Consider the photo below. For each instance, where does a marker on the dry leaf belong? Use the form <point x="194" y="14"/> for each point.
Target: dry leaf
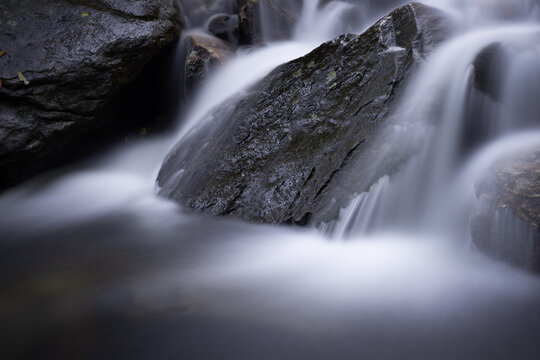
<point x="0" y="84"/>
<point x="2" y="53"/>
<point x="22" y="78"/>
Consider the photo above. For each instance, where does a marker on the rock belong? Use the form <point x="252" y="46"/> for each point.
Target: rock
<point x="506" y="76"/>
<point x="489" y="67"/>
<point x="506" y="222"/>
<point x="75" y="56"/>
<point x="224" y="27"/>
<point x="272" y="156"/>
<point x="199" y="11"/>
<point x="203" y="53"/>
<point x="266" y="20"/>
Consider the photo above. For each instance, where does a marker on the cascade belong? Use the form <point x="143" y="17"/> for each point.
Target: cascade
<point x="436" y="124"/>
<point x="96" y="265"/>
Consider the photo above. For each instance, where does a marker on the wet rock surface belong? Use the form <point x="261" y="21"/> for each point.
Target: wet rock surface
<point x="203" y="54"/>
<point x="488" y="66"/>
<point x="64" y="63"/>
<point x="273" y="156"/>
<point x="506" y="223"/>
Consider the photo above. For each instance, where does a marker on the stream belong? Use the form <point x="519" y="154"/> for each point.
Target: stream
<point x="95" y="265"/>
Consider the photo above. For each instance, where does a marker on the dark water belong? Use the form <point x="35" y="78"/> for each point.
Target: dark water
<point x="116" y="288"/>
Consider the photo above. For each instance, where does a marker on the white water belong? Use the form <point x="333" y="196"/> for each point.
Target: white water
<point x="127" y="174"/>
<point x="404" y="276"/>
<point x="428" y="193"/>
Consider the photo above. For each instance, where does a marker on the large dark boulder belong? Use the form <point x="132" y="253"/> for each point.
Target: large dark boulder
<point x="506" y="222"/>
<point x="273" y="155"/>
<point x="64" y="62"/>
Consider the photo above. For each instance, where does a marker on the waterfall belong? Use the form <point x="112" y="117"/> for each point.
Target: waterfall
<point x="96" y="265"/>
<point x="315" y="25"/>
<point x="126" y="174"/>
<point x="442" y="122"/>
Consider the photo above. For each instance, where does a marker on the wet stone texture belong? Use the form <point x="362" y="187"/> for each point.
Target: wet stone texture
<point x="506" y="223"/>
<point x="273" y="156"/>
<point x="64" y="63"/>
<point x="204" y="53"/>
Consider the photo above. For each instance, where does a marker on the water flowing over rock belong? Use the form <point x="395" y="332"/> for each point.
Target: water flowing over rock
<point x="225" y="27"/>
<point x="263" y="20"/>
<point x="372" y="7"/>
<point x="488" y="65"/>
<point x="74" y="56"/>
<point x="271" y="156"/>
<point x="197" y="12"/>
<point x="506" y="223"/>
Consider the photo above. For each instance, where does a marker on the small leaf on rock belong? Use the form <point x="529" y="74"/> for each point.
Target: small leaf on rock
<point x="0" y="84"/>
<point x="2" y="53"/>
<point x="22" y="78"/>
<point x="85" y="14"/>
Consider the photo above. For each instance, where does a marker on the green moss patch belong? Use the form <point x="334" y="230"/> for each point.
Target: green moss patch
<point x="331" y="76"/>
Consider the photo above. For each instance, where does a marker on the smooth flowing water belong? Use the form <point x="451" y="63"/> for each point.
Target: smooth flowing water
<point x="443" y="122"/>
<point x="95" y="265"/>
